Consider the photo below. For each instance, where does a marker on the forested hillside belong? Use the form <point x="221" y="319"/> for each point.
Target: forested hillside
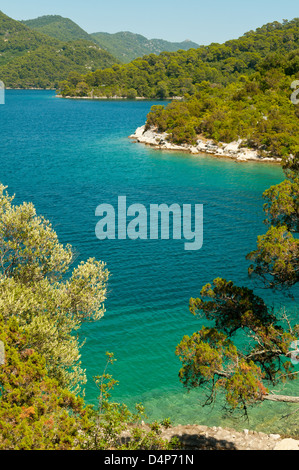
<point x="256" y="109"/>
<point x="58" y="27"/>
<point x="32" y="59"/>
<point x="127" y="46"/>
<point x="17" y="39"/>
<point x="124" y="45"/>
<point x="178" y="73"/>
<point x="46" y="66"/>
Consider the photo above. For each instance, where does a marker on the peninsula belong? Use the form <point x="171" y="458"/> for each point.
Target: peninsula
<point x="235" y="150"/>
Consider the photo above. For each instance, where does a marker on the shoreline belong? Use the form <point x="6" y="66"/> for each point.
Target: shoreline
<point x="31" y="88"/>
<point x="138" y="98"/>
<point x="115" y="97"/>
<point x="232" y="150"/>
<point x="199" y="437"/>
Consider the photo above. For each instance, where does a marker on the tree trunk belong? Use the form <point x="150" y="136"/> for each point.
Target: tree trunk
<point x="281" y="398"/>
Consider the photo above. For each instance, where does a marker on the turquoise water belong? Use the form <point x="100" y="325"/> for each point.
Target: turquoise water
<point x="69" y="156"/>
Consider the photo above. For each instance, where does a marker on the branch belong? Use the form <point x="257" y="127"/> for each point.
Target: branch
<point x="290" y="414"/>
<point x="270" y="397"/>
<point x="281" y="398"/>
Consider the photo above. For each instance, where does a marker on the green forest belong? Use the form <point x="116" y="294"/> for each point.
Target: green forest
<point x="127" y="46"/>
<point x="173" y="74"/>
<point x="30" y="59"/>
<point x="238" y="90"/>
<point x="57" y="27"/>
<point x="256" y="109"/>
<point x="42" y="52"/>
<point x="124" y="45"/>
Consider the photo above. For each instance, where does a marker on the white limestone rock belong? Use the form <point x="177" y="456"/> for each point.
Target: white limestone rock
<point x="287" y="444"/>
<point x="231" y="150"/>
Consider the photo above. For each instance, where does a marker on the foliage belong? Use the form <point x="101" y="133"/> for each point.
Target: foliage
<point x="38" y="289"/>
<point x="210" y="357"/>
<point x="126" y="46"/>
<point x="255" y="109"/>
<point x="173" y="74"/>
<point x="282" y="206"/>
<point x="58" y="27"/>
<point x="259" y="356"/>
<point x="16" y="39"/>
<point x="231" y="307"/>
<point x="35" y="412"/>
<point x="30" y="59"/>
<point x="116" y="427"/>
<point x="276" y="259"/>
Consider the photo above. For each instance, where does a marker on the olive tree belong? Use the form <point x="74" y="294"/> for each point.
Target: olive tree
<point x="38" y="288"/>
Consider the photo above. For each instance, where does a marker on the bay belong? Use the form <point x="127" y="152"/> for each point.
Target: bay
<point x="69" y="156"/>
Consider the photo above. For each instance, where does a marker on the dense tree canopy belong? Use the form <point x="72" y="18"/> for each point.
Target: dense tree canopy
<point x="126" y="46"/>
<point x="57" y="27"/>
<point x="173" y="74"/>
<point x="256" y="109"/>
<point x="35" y="412"/>
<point x="30" y="59"/>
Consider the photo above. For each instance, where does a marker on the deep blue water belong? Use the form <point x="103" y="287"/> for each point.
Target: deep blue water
<point x="69" y="156"/>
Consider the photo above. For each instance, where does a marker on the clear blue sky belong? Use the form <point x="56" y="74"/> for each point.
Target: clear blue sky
<point x="202" y="21"/>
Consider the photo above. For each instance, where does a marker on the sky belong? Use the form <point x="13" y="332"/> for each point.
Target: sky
<point x="202" y="21"/>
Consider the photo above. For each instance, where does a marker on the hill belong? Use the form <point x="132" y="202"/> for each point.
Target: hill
<point x="41" y="52"/>
<point x="254" y="112"/>
<point x="57" y="27"/>
<point x="29" y="58"/>
<point x="173" y="74"/>
<point x="127" y="46"/>
<point x="46" y="66"/>
<point x="17" y="39"/>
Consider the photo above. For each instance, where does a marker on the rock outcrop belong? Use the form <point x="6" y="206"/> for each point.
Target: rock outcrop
<point x="231" y="150"/>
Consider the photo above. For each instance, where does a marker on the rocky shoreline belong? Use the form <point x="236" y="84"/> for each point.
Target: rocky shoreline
<point x="199" y="437"/>
<point x="233" y="150"/>
<point x="195" y="437"/>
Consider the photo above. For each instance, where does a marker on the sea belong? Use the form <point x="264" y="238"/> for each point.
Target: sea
<point x="68" y="157"/>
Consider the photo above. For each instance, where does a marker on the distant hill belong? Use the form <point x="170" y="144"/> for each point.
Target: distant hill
<point x="126" y="46"/>
<point x="30" y="59"/>
<point x="41" y="52"/>
<point x="58" y="27"/>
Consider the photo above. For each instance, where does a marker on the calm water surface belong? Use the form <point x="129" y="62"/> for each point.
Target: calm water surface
<point x="69" y="156"/>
